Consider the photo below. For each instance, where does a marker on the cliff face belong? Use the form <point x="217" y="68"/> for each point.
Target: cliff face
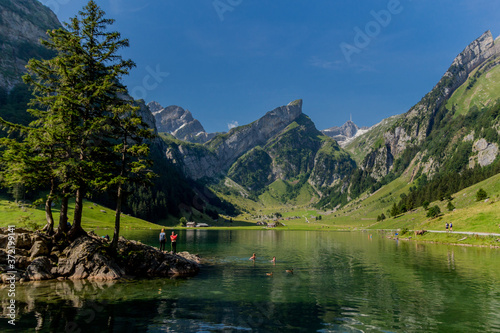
<point x="22" y="24"/>
<point x="228" y="147"/>
<point x="217" y="155"/>
<point x="417" y="124"/>
<point x="282" y="145"/>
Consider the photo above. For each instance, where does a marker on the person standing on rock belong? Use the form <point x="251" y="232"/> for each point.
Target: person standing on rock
<point x="163" y="239"/>
<point x="173" y="239"/>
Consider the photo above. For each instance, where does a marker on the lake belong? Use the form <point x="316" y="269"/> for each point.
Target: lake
<point x="341" y="282"/>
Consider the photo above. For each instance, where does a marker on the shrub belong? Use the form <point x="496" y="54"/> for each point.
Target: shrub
<point x="183" y="221"/>
<point x="481" y="194"/>
<point x="450" y="206"/>
<point x="433" y="212"/>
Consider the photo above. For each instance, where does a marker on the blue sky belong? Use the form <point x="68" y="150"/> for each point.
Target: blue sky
<point x="231" y="61"/>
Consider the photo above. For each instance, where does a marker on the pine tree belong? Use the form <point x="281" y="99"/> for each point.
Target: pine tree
<point x="394" y="210"/>
<point x="128" y="131"/>
<point x="87" y="130"/>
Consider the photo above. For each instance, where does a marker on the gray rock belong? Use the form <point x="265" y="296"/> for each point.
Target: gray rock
<point x="4" y="241"/>
<point x="469" y="137"/>
<point x="39" y="269"/>
<point x="22" y="261"/>
<point x="379" y="162"/>
<point x="480" y="145"/>
<point x="86" y="258"/>
<point x="141" y="260"/>
<point x="39" y="248"/>
<point x="154" y="107"/>
<point x="488" y="155"/>
<point x="24" y="241"/>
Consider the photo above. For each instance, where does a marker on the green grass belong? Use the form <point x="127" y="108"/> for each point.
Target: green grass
<point x="93" y="217"/>
<point x="469" y="214"/>
<point x="483" y="92"/>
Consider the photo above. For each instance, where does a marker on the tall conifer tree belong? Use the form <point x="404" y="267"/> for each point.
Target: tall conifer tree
<point x="86" y="129"/>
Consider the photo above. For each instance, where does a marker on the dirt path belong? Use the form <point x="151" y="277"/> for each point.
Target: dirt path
<point x="465" y="232"/>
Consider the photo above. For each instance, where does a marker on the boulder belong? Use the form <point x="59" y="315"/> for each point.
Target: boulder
<point x="142" y="260"/>
<point x="87" y="258"/>
<point x="39" y="269"/>
<point x="23" y="241"/>
<point x="39" y="248"/>
<point x="192" y="257"/>
<point x="22" y="262"/>
<point x="4" y="241"/>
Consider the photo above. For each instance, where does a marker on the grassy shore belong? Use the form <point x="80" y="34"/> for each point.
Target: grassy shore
<point x="94" y="217"/>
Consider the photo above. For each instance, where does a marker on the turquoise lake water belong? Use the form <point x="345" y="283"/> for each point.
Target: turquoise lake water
<point x="341" y="282"/>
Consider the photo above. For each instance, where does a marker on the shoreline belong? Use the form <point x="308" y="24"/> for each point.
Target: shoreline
<point x="34" y="256"/>
<point x="479" y="238"/>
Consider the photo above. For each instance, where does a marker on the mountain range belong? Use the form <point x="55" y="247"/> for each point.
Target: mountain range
<point x="282" y="158"/>
<point x="434" y="137"/>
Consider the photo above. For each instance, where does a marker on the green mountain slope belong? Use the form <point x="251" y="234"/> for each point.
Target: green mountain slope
<point x="480" y="90"/>
<point x="294" y="167"/>
<point x="454" y="130"/>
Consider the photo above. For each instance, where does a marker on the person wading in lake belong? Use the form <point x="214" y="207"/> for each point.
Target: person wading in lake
<point x="173" y="239"/>
<point x="163" y="239"/>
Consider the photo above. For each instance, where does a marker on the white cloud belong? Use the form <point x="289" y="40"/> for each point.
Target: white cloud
<point x="232" y="124"/>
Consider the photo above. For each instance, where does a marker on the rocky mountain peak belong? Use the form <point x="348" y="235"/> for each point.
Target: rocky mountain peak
<point x="180" y="123"/>
<point x="472" y="56"/>
<point x="349" y="129"/>
<point x="345" y="133"/>
<point x="280" y="116"/>
<point x="173" y="117"/>
<point x="154" y="107"/>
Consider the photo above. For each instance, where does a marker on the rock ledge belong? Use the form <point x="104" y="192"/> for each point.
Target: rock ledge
<point x="39" y="257"/>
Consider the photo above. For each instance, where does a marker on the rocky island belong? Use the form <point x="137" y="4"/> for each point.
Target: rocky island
<point x="40" y="257"/>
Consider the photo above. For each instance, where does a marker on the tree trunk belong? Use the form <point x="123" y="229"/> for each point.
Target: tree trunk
<point x="118" y="212"/>
<point x="49" y="228"/>
<point x="76" y="229"/>
<point x="119" y="199"/>
<point x="63" y="216"/>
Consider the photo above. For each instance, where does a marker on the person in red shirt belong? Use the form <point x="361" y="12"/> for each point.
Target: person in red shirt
<point x="173" y="239"/>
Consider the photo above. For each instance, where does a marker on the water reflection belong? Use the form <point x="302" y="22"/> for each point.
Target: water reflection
<point x="341" y="282"/>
